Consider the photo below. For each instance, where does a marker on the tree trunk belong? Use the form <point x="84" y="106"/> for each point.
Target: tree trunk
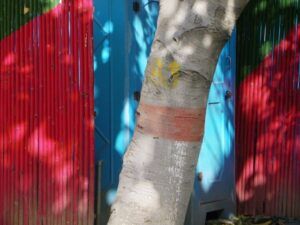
<point x="158" y="171"/>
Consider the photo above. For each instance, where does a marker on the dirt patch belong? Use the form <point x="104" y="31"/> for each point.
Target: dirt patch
<point x="258" y="220"/>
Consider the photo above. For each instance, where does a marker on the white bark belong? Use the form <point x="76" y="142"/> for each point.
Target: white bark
<point x="158" y="170"/>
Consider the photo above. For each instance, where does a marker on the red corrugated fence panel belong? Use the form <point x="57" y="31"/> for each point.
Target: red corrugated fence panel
<point x="268" y="109"/>
<point x="46" y="113"/>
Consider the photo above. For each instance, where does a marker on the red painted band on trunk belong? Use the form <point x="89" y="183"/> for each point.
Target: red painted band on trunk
<point x="180" y="124"/>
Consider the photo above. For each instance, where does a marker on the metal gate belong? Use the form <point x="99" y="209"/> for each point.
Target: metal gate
<point x="46" y="113"/>
<point x="123" y="37"/>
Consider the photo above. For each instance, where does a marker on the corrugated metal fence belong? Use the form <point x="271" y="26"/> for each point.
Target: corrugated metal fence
<point x="46" y="112"/>
<point x="268" y="109"/>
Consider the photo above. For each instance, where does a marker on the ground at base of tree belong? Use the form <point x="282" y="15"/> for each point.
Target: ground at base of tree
<point x="258" y="220"/>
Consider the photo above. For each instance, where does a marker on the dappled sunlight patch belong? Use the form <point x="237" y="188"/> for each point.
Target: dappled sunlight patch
<point x="111" y="196"/>
<point x="61" y="203"/>
<point x="246" y="191"/>
<point x="108" y="27"/>
<point x="27" y="69"/>
<point x="57" y="11"/>
<point x="105" y="52"/>
<point x="200" y="8"/>
<point x="127" y="127"/>
<point x="9" y="59"/>
<point x="145" y="195"/>
<point x="187" y="51"/>
<point x="18" y="132"/>
<point x="83" y="204"/>
<point x="40" y="145"/>
<point x="207" y="41"/>
<point x="50" y="48"/>
<point x="169" y="10"/>
<point x="68" y="59"/>
<point x="13" y="136"/>
<point x="63" y="173"/>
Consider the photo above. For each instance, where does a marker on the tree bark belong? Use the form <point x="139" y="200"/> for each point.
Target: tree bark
<point x="158" y="170"/>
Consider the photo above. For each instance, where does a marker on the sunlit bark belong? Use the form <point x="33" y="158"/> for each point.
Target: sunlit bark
<point x="158" y="171"/>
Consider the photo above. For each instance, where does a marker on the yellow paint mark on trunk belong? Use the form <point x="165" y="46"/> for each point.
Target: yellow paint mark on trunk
<point x="165" y="75"/>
